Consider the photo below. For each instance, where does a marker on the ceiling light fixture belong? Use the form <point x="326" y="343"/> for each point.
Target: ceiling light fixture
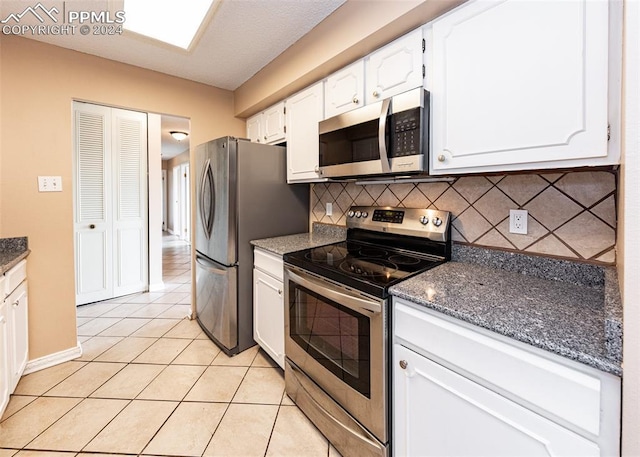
<point x="176" y="23"/>
<point x="178" y="136"/>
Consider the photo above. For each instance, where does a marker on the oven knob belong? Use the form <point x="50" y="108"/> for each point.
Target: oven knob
<point x="350" y="213"/>
<point x="424" y="220"/>
<point x="404" y="364"/>
<point x="437" y="221"/>
<point x="358" y="214"/>
<point x="365" y="214"/>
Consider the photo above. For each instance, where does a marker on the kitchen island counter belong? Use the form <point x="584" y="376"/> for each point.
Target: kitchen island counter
<point x="564" y="307"/>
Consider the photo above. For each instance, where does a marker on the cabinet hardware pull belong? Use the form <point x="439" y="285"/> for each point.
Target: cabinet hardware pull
<point x="15" y="304"/>
<point x="375" y="93"/>
<point x="403" y="364"/>
<point x="441" y="158"/>
<point x="92" y="226"/>
<point x="279" y="291"/>
<point x="355" y="100"/>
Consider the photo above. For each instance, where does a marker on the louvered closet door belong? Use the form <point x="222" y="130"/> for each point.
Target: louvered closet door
<point x="110" y="200"/>
<point x="129" y="161"/>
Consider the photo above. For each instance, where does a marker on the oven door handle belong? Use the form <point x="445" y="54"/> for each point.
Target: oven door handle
<point x="347" y="299"/>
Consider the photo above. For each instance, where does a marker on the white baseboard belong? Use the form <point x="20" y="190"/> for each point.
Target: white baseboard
<point x="156" y="287"/>
<point x="53" y="359"/>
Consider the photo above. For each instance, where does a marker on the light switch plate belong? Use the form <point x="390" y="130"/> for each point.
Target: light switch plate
<point x="50" y="183"/>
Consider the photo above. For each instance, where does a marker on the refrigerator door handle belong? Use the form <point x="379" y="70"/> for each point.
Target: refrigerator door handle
<point x="209" y="267"/>
<point x="207" y="217"/>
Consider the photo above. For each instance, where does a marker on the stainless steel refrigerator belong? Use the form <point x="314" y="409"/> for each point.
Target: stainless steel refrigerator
<point x="242" y="194"/>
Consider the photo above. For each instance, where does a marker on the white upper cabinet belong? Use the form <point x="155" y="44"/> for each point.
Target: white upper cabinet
<point x="519" y="85"/>
<point x="304" y="111"/>
<point x="268" y="127"/>
<point x="395" y="68"/>
<point x="344" y="90"/>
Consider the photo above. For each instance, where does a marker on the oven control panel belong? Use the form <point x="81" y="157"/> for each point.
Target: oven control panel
<point x="421" y="222"/>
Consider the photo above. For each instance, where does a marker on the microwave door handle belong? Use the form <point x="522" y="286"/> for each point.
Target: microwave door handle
<point x="382" y="138"/>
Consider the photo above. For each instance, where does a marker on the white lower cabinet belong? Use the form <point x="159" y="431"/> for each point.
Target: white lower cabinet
<point x="5" y="391"/>
<point x="14" y="331"/>
<point x="268" y="304"/>
<point x="438" y="412"/>
<point x="18" y="331"/>
<point x="459" y="390"/>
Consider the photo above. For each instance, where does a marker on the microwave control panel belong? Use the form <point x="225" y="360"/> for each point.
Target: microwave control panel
<point x="406" y="137"/>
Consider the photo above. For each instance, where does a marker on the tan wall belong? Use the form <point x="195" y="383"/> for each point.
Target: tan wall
<point x="39" y="82"/>
<point x="351" y="32"/>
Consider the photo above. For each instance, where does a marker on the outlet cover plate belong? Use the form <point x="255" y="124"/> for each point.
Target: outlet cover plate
<point x="518" y="221"/>
<point x="49" y="183"/>
<point x="329" y="211"/>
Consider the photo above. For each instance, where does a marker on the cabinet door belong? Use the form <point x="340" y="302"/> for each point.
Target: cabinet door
<point x="253" y="128"/>
<point x="273" y="123"/>
<point x="438" y="412"/>
<point x="18" y="333"/>
<point x="5" y="390"/>
<point x="395" y="68"/>
<point x="344" y="90"/>
<point x="268" y="315"/>
<point x="519" y="85"/>
<point x="304" y="111"/>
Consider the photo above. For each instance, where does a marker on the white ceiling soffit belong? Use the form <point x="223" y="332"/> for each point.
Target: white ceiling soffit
<point x="241" y="37"/>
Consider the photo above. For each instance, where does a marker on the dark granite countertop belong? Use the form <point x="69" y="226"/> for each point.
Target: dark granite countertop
<point x="321" y="235"/>
<point x="568" y="308"/>
<point x="12" y="251"/>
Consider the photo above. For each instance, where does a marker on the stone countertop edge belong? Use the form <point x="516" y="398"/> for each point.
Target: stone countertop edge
<point x="321" y="235"/>
<point x="12" y="251"/>
<point x="594" y="337"/>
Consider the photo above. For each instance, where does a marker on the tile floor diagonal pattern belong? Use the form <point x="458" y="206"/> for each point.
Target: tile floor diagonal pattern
<point x="150" y="382"/>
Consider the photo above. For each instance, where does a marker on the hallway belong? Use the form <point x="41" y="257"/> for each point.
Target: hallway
<point x="149" y="382"/>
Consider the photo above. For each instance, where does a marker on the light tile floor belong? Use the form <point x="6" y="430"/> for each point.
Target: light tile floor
<point x="150" y="382"/>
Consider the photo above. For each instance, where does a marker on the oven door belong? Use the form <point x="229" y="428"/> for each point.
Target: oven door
<point x="337" y="337"/>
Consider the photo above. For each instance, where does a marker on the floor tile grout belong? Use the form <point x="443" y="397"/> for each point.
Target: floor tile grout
<point x="240" y="393"/>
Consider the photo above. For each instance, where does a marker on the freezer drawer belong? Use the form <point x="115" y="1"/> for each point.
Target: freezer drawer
<point x="217" y="301"/>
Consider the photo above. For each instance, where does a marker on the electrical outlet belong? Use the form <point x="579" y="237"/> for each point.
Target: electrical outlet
<point x="329" y="211"/>
<point x="518" y="221"/>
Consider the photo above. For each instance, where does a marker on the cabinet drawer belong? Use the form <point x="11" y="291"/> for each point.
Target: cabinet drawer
<point x="269" y="263"/>
<point x="15" y="276"/>
<point x="537" y="382"/>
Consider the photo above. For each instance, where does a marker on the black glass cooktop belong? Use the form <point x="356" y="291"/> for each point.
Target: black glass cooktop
<point x="366" y="267"/>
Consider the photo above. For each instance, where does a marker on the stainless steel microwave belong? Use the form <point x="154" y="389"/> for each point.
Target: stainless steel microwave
<point x="389" y="137"/>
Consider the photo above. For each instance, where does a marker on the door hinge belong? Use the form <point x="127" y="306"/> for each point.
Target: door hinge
<point x="424" y="70"/>
<point x="608" y="132"/>
<point x="284" y="110"/>
<point x="285" y="129"/>
<point x="185" y="175"/>
<point x="424" y="45"/>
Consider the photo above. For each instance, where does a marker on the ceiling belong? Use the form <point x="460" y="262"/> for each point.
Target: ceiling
<point x="238" y="39"/>
<point x="241" y="37"/>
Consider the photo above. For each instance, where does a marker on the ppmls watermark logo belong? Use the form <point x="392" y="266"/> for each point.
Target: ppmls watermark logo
<point x="40" y="20"/>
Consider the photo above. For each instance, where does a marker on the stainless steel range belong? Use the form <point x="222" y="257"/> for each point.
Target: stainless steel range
<point x="337" y="320"/>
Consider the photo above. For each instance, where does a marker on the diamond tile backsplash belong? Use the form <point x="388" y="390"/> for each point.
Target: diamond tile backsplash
<point x="571" y="215"/>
